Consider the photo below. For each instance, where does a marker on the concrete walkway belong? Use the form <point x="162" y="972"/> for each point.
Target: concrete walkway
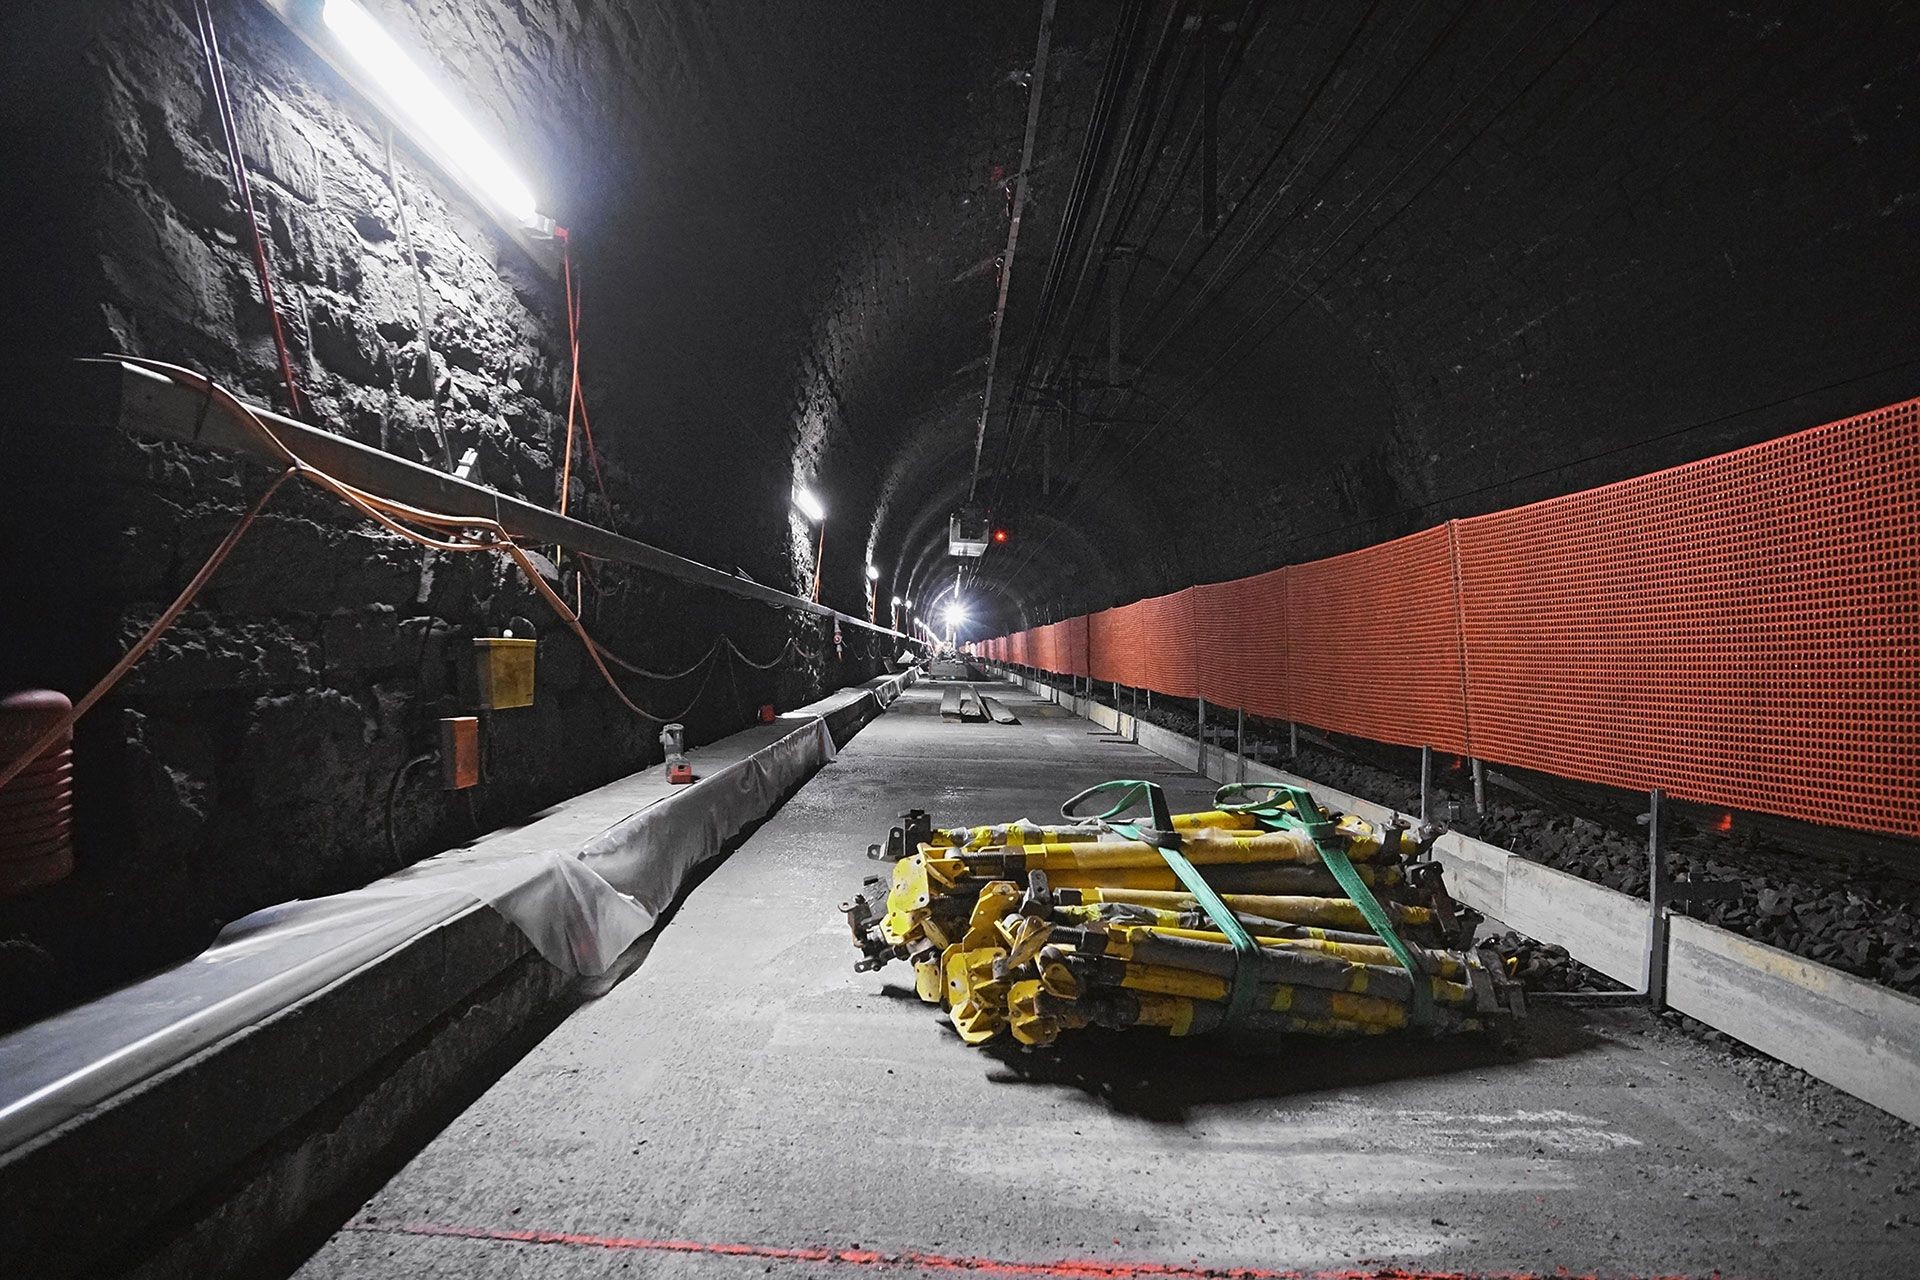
<point x="745" y="1105"/>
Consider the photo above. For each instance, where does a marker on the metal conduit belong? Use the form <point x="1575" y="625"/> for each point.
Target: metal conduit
<point x="147" y="404"/>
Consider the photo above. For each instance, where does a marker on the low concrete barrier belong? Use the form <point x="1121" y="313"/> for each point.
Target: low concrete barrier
<point x="199" y="1159"/>
<point x="1854" y="1034"/>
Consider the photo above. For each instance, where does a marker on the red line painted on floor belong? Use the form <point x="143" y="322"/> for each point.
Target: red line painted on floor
<point x="1065" y="1269"/>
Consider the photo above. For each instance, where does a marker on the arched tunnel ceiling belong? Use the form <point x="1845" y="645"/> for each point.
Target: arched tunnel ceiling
<point x="1462" y="255"/>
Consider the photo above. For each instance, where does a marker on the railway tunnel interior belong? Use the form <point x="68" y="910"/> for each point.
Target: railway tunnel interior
<point x="1495" y="412"/>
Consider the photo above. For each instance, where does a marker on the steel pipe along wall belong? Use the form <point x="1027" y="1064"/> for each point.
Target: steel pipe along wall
<point x="1741" y="631"/>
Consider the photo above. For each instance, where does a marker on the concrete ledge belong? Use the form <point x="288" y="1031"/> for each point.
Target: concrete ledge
<point x="258" y="1213"/>
<point x="1853" y="1034"/>
<point x="1600" y="927"/>
<point x="203" y="1164"/>
<point x="85" y="1195"/>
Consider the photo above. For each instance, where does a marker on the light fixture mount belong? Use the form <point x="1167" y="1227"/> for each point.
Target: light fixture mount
<point x="349" y="39"/>
<point x="808" y="504"/>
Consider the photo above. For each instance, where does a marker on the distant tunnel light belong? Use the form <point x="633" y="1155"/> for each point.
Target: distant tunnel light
<point x="955" y="614"/>
<point x="428" y="110"/>
<point x="873" y="574"/>
<point x="896" y="602"/>
<point x="808" y="505"/>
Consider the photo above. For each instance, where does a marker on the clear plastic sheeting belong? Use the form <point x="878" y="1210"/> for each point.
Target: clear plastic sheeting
<point x="650" y="855"/>
<point x="583" y="883"/>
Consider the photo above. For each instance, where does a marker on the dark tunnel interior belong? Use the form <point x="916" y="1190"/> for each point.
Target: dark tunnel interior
<point x="1169" y="292"/>
<point x="1452" y="258"/>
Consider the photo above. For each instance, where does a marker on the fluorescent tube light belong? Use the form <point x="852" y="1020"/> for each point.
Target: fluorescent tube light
<point x="428" y="111"/>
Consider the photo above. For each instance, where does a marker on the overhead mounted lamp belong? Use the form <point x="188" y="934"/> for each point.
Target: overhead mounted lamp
<point x="807" y="504"/>
<point x="351" y="41"/>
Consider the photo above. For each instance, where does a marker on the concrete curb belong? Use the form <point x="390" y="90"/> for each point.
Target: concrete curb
<point x="203" y="1168"/>
<point x="1853" y="1034"/>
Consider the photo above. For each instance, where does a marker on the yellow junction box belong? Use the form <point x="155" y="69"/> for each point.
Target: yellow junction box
<point x="504" y="668"/>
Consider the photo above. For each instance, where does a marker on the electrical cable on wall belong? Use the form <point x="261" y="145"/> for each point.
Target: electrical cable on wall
<point x="576" y="394"/>
<point x="449" y="533"/>
<point x="573" y="352"/>
<point x="159" y="626"/>
<point x="576" y="402"/>
<point x="237" y="167"/>
<point x="435" y="531"/>
<point x="1196" y="388"/>
<point x="1135" y="388"/>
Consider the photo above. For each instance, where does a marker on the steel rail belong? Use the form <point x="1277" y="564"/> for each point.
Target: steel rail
<point x="148" y="404"/>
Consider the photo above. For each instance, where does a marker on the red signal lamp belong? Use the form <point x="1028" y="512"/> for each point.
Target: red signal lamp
<point x="1000" y="535"/>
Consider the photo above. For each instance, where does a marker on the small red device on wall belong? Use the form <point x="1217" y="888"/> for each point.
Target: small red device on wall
<point x="679" y="773"/>
<point x="459" y="753"/>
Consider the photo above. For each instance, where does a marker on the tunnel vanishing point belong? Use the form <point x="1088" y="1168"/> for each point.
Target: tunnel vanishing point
<point x="1051" y="638"/>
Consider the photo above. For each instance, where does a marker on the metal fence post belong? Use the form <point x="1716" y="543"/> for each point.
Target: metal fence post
<point x="1479" y="789"/>
<point x="1240" y="742"/>
<point x="1202" y="769"/>
<point x="1426" y="780"/>
<point x="1293" y="740"/>
<point x="1135" y="735"/>
<point x="1658" y="889"/>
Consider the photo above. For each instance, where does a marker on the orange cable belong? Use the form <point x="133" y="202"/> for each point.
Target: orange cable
<point x="166" y="619"/>
<point x="388" y="513"/>
<point x="573" y="335"/>
<point x="593" y="456"/>
<point x="237" y="169"/>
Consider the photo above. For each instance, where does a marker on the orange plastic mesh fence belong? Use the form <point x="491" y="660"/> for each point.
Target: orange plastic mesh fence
<point x="1109" y="638"/>
<point x="1061" y="647"/>
<point x="1148" y="644"/>
<point x="1046" y="653"/>
<point x="1373" y="644"/>
<point x="1174" y="664"/>
<point x="1743" y="631"/>
<point x="1235" y="673"/>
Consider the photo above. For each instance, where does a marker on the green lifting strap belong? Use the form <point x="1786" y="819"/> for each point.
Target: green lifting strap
<point x="1307" y="817"/>
<point x="1243" y="989"/>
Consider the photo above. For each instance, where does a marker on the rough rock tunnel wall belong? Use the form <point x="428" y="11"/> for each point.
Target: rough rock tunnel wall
<point x="257" y="754"/>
